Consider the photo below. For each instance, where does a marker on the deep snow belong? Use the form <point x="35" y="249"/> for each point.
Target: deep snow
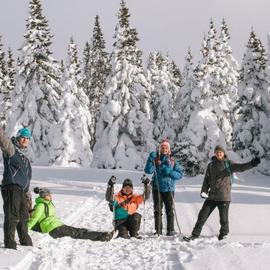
<point x="79" y="198"/>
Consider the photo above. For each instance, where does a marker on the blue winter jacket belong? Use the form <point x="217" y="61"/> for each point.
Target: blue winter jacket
<point x="166" y="173"/>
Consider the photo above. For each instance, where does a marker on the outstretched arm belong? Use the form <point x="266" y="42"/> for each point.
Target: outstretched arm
<point x="5" y="143"/>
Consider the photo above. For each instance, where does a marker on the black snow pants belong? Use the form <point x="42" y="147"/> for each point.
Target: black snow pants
<point x="167" y="198"/>
<point x="79" y="233"/>
<point x="15" y="216"/>
<point x="207" y="209"/>
<point x="129" y="227"/>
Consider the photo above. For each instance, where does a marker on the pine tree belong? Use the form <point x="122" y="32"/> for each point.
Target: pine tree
<point x="96" y="71"/>
<point x="209" y="122"/>
<point x="163" y="96"/>
<point x="36" y="96"/>
<point x="252" y="129"/>
<point x="73" y="144"/>
<point x="3" y="85"/>
<point x="184" y="150"/>
<point x="123" y="129"/>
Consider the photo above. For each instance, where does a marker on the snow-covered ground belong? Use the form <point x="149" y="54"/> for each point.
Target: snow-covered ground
<point x="79" y="198"/>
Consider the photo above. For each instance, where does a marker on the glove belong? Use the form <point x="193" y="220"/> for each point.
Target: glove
<point x="255" y="161"/>
<point x="152" y="156"/>
<point x="204" y="195"/>
<point x="145" y="180"/>
<point x="112" y="181"/>
<point x="166" y="171"/>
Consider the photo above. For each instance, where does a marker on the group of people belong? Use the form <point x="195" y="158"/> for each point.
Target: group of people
<point x="165" y="171"/>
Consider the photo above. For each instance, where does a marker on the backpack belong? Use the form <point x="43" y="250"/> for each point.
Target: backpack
<point x="37" y="227"/>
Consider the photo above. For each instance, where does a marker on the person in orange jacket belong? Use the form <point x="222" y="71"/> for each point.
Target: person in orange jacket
<point x="124" y="205"/>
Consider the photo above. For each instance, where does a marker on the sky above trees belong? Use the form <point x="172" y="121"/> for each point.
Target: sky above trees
<point x="168" y="26"/>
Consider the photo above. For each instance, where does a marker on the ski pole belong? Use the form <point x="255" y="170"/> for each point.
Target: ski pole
<point x="145" y="180"/>
<point x="159" y="200"/>
<point x="175" y="214"/>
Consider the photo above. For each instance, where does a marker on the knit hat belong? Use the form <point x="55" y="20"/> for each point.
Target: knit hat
<point x="127" y="182"/>
<point x="165" y="142"/>
<point x="43" y="192"/>
<point x="24" y="132"/>
<point x="219" y="148"/>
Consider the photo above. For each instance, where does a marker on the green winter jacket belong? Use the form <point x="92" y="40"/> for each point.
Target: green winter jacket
<point x="47" y="224"/>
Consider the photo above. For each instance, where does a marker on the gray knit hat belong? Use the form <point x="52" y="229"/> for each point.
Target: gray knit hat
<point x="43" y="192"/>
<point x="219" y="148"/>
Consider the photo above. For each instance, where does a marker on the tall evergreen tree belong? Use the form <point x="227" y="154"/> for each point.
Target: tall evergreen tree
<point x="73" y="143"/>
<point x="184" y="150"/>
<point x="36" y="96"/>
<point x="3" y="85"/>
<point x="210" y="122"/>
<point x="124" y="129"/>
<point x="252" y="129"/>
<point x="163" y="96"/>
<point x="96" y="71"/>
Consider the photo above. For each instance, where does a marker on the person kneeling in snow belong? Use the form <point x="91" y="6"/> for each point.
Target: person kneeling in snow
<point x="44" y="220"/>
<point x="124" y="205"/>
<point x="216" y="189"/>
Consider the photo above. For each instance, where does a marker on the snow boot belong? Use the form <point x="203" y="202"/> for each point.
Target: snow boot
<point x="190" y="238"/>
<point x="171" y="233"/>
<point x="222" y="237"/>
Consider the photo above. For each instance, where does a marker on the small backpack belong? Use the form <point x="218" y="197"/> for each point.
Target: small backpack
<point x="37" y="227"/>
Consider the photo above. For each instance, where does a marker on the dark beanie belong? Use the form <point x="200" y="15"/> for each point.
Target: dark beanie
<point x="43" y="192"/>
<point x="127" y="182"/>
<point x="219" y="148"/>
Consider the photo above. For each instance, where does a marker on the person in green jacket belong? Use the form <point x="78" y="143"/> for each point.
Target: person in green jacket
<point x="44" y="220"/>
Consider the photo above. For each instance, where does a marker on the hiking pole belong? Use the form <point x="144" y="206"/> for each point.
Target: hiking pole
<point x="145" y="180"/>
<point x="112" y="195"/>
<point x="175" y="214"/>
<point x="159" y="200"/>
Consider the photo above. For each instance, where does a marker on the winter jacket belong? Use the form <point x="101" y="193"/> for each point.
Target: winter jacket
<point x="217" y="180"/>
<point x="129" y="208"/>
<point x="17" y="167"/>
<point x="48" y="223"/>
<point x="166" y="172"/>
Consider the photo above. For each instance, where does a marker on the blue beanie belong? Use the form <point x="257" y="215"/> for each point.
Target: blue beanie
<point x="24" y="132"/>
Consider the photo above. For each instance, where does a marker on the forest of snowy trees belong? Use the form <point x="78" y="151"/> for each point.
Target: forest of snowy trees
<point x="109" y="110"/>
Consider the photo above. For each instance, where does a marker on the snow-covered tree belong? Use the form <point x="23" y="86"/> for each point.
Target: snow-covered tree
<point x="35" y="98"/>
<point x="3" y="88"/>
<point x="184" y="151"/>
<point x="96" y="70"/>
<point x="72" y="147"/>
<point x="163" y="96"/>
<point x="210" y="121"/>
<point x="252" y="129"/>
<point x="124" y="131"/>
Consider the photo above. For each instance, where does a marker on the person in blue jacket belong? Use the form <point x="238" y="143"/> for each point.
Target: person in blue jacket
<point x="165" y="172"/>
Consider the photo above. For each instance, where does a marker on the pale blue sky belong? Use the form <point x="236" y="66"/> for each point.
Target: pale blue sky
<point x="164" y="25"/>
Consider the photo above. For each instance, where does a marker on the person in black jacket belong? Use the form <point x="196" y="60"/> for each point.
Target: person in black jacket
<point x="15" y="184"/>
<point x="216" y="189"/>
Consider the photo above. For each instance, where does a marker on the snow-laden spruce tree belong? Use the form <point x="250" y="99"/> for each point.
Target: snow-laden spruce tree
<point x="163" y="92"/>
<point x="252" y="128"/>
<point x="72" y="146"/>
<point x="183" y="148"/>
<point x="3" y="88"/>
<point x="96" y="68"/>
<point x="210" y="122"/>
<point x="35" y="98"/>
<point x="124" y="131"/>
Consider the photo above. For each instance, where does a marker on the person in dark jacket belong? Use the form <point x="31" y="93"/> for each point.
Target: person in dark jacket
<point x="165" y="172"/>
<point x="15" y="184"/>
<point x="125" y="204"/>
<point x="216" y="189"/>
<point x="44" y="220"/>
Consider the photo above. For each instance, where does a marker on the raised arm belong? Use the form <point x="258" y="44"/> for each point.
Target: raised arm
<point x="6" y="144"/>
